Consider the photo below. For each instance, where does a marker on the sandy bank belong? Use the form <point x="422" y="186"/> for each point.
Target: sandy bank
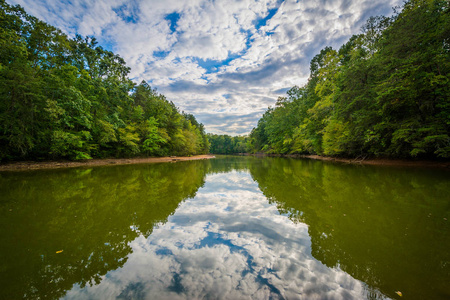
<point x="31" y="165"/>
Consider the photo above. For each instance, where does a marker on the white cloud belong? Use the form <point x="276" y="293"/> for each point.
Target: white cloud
<point x="261" y="57"/>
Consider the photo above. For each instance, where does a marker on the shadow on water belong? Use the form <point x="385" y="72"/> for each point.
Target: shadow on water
<point x="387" y="227"/>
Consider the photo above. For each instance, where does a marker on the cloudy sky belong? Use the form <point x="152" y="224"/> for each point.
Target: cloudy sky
<point x="225" y="61"/>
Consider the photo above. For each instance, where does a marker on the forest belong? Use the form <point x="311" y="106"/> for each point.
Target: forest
<point x="384" y="93"/>
<point x="68" y="98"/>
<point x="225" y="144"/>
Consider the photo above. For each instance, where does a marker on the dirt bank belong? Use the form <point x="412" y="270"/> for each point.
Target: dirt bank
<point x="382" y="161"/>
<point x="31" y="165"/>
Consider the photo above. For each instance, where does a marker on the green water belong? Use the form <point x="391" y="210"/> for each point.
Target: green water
<point x="228" y="228"/>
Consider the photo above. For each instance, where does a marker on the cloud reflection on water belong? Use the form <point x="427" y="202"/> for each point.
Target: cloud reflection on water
<point x="228" y="242"/>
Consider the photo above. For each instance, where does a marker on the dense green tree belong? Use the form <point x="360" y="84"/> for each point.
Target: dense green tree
<point x="386" y="92"/>
<point x="69" y="98"/>
<point x="413" y="93"/>
<point x="225" y="144"/>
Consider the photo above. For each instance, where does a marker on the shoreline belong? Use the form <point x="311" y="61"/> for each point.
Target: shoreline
<point x="33" y="165"/>
<point x="384" y="162"/>
<point x="371" y="161"/>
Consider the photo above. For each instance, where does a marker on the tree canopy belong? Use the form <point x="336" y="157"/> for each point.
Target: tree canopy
<point x="225" y="144"/>
<point x="69" y="98"/>
<point x="386" y="92"/>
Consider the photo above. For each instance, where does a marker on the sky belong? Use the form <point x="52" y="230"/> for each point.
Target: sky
<point x="224" y="61"/>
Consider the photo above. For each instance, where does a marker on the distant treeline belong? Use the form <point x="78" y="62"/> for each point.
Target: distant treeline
<point x="69" y="98"/>
<point x="225" y="144"/>
<point x="386" y="92"/>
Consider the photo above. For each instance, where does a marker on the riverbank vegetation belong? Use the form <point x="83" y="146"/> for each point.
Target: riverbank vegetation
<point x="385" y="93"/>
<point x="69" y="98"/>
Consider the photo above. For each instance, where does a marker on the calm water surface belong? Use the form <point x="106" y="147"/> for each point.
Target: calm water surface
<point x="229" y="228"/>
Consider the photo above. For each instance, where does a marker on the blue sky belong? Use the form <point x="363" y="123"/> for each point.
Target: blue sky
<point x="223" y="61"/>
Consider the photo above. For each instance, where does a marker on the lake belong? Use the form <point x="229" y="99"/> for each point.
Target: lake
<point x="226" y="228"/>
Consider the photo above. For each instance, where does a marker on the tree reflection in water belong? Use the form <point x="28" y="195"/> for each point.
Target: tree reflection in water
<point x="385" y="226"/>
<point x="258" y="228"/>
<point x="90" y="214"/>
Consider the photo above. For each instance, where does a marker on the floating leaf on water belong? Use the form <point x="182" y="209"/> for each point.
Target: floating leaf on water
<point x="399" y="293"/>
<point x="59" y="251"/>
